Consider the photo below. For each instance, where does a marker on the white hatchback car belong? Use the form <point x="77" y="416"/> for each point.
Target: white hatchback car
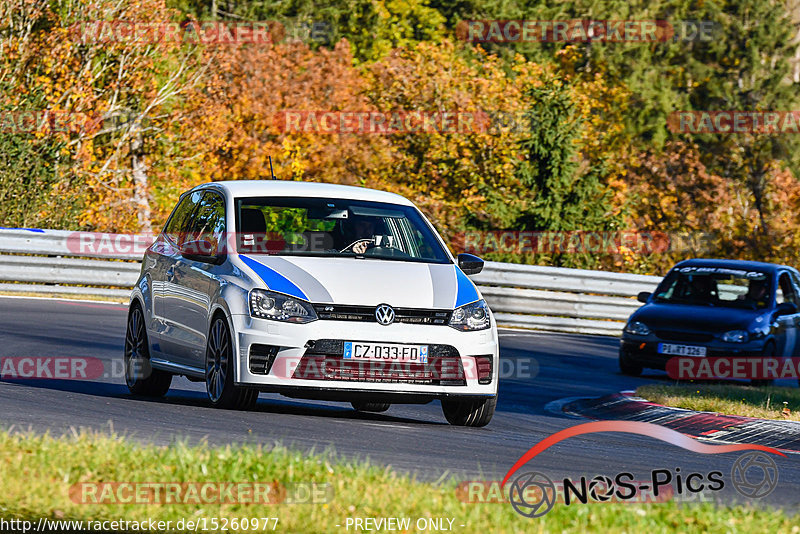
<point x="313" y="291"/>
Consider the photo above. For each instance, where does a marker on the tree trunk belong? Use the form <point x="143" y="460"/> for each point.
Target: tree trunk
<point x="141" y="197"/>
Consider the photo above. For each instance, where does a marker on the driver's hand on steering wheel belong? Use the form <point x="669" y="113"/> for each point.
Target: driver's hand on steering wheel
<point x="360" y="247"/>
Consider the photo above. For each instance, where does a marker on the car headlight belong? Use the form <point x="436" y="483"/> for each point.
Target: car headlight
<point x="471" y="317"/>
<point x="637" y="329"/>
<point x="736" y="336"/>
<point x="279" y="307"/>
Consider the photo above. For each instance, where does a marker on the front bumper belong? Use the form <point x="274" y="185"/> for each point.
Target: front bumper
<point x="644" y="349"/>
<point x="322" y="339"/>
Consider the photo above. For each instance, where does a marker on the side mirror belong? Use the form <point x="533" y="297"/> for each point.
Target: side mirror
<point x="200" y="250"/>
<point x="470" y="264"/>
<point x="785" y="308"/>
<point x="643" y="296"/>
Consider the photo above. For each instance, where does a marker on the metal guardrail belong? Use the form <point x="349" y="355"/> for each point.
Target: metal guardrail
<point x="561" y="300"/>
<point x="526" y="296"/>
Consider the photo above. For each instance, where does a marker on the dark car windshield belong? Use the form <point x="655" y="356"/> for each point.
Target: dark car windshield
<point x="716" y="286"/>
<point x="336" y="228"/>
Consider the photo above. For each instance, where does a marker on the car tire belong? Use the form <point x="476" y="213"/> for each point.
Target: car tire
<point x="140" y="376"/>
<point x="627" y="366"/>
<point x="474" y="413"/>
<point x="219" y="371"/>
<point x="767" y="352"/>
<point x="375" y="407"/>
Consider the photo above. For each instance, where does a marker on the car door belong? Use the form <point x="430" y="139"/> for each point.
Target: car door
<point x="189" y="301"/>
<point x="161" y="260"/>
<point x="787" y="324"/>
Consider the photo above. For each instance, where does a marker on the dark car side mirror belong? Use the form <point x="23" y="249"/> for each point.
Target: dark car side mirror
<point x="470" y="264"/>
<point x="785" y="308"/>
<point x="201" y="250"/>
<point x="643" y="296"/>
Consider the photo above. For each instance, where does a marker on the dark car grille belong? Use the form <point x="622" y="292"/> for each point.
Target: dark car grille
<point x="341" y="312"/>
<point x="675" y="335"/>
<point x="323" y="360"/>
<point x="262" y="357"/>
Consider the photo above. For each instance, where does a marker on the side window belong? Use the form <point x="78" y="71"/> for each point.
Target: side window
<point x="786" y="291"/>
<point x="176" y="226"/>
<point x="795" y="283"/>
<point x="209" y="220"/>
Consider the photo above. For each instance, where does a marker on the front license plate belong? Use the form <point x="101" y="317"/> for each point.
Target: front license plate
<point x="681" y="350"/>
<point x="383" y="352"/>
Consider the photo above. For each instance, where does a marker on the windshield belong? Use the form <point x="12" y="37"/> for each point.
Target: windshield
<point x="716" y="286"/>
<point x="336" y="228"/>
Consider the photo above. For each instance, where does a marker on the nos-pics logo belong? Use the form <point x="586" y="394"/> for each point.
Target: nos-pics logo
<point x="533" y="494"/>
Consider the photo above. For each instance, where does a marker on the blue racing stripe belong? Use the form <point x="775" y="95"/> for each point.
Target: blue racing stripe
<point x="466" y="291"/>
<point x="273" y="279"/>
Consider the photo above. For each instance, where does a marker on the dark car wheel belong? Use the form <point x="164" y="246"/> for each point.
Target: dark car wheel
<point x="469" y="413"/>
<point x="376" y="407"/>
<point x="627" y="365"/>
<point x="219" y="371"/>
<point x="140" y="377"/>
<point x="767" y="352"/>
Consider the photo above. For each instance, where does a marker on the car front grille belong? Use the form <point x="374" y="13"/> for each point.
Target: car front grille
<point x="323" y="360"/>
<point x="675" y="335"/>
<point x="342" y="312"/>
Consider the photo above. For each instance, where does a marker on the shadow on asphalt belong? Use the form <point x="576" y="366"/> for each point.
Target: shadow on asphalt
<point x="565" y="366"/>
<point x="181" y="397"/>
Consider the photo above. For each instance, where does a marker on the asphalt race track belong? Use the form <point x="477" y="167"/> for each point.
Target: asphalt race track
<point x="411" y="438"/>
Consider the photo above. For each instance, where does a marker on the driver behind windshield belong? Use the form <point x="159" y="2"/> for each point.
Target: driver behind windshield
<point x="359" y="233"/>
<point x="757" y="292"/>
<point x="702" y="287"/>
<point x="698" y="288"/>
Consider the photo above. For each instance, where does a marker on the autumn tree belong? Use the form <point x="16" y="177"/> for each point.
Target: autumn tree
<point x="240" y="117"/>
<point x="451" y="171"/>
<point x="372" y="28"/>
<point x="74" y="58"/>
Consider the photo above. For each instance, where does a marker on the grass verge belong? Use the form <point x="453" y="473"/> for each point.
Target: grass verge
<point x="65" y="295"/>
<point x="729" y="399"/>
<point x="37" y="473"/>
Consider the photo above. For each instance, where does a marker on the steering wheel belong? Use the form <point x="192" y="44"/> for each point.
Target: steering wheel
<point x="354" y="243"/>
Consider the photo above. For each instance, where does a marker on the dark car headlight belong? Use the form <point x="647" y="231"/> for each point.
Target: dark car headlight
<point x="736" y="336"/>
<point x="474" y="316"/>
<point x="637" y="328"/>
<point x="279" y="307"/>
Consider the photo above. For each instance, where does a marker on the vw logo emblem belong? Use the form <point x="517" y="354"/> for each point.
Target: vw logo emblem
<point x="384" y="314"/>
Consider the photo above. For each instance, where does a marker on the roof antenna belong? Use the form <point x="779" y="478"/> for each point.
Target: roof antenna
<point x="271" y="172"/>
